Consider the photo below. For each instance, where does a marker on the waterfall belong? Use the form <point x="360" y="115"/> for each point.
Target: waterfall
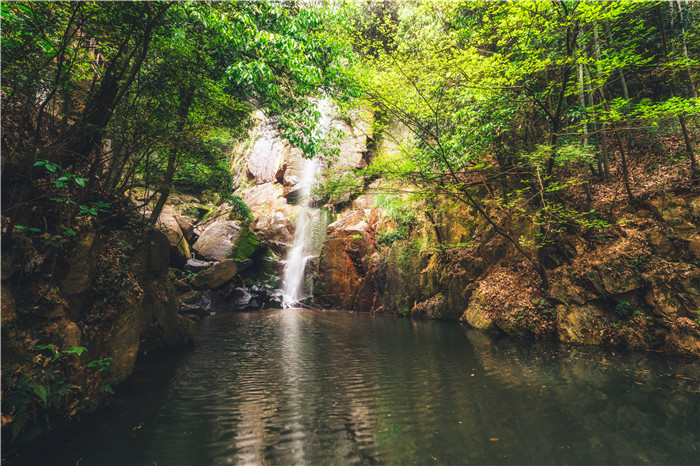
<point x="310" y="226"/>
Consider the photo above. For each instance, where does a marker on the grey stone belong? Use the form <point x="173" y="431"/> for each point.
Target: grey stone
<point x="215" y="276"/>
<point x="196" y="265"/>
<point x="216" y="241"/>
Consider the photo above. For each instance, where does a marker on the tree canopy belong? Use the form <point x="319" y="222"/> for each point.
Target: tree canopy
<point x="526" y="99"/>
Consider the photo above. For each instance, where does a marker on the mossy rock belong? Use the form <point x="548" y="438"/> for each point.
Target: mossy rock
<point x="246" y="244"/>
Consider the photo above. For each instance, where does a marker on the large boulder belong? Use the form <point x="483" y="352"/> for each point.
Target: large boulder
<point x="292" y="169"/>
<point x="186" y="224"/>
<point x="179" y="248"/>
<point x="276" y="229"/>
<point x="75" y="285"/>
<point x="352" y="146"/>
<point x="216" y="276"/>
<point x="81" y="270"/>
<point x="217" y="240"/>
<point x="151" y="254"/>
<point x="268" y="198"/>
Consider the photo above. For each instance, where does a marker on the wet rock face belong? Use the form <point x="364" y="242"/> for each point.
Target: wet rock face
<point x="276" y="169"/>
<point x="345" y="261"/>
<point x="277" y="230"/>
<point x="217" y="240"/>
<point x="637" y="289"/>
<point x="268" y="152"/>
<point x="115" y="300"/>
<point x="274" y="217"/>
<point x="290" y="172"/>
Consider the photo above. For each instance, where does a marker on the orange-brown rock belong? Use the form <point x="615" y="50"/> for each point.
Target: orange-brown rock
<point x="345" y="260"/>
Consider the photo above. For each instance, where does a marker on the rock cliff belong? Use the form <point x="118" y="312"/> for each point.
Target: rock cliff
<point x="67" y="342"/>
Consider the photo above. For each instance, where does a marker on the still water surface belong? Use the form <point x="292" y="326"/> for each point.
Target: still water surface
<point x="311" y="387"/>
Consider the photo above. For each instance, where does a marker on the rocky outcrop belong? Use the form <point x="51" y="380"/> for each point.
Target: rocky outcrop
<point x="276" y="229"/>
<point x="217" y="240"/>
<point x="637" y="289"/>
<point x="345" y="259"/>
<point x="267" y="154"/>
<point x="215" y="276"/>
<point x="179" y="247"/>
<point x="115" y="301"/>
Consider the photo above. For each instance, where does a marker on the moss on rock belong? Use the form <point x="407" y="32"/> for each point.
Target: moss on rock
<point x="246" y="244"/>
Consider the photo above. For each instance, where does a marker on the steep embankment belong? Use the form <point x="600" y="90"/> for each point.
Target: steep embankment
<point x="635" y="283"/>
<point x="67" y="341"/>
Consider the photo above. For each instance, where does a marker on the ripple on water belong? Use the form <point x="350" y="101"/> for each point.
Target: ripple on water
<point x="305" y="387"/>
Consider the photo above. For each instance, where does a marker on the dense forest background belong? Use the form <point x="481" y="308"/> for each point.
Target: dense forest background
<point x="528" y="98"/>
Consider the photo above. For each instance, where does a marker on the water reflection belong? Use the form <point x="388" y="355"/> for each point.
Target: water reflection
<point x="306" y="387"/>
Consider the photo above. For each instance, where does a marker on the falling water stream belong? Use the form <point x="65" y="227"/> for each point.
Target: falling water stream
<point x="310" y="225"/>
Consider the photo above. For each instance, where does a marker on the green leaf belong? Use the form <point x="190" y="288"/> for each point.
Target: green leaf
<point x="67" y="231"/>
<point x="79" y="350"/>
<point x="40" y="391"/>
<point x="48" y="166"/>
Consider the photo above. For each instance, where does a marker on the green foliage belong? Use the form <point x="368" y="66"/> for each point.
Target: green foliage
<point x="171" y="86"/>
<point x="100" y="364"/>
<point x="340" y="186"/>
<point x="192" y="211"/>
<point x="195" y="177"/>
<point x="246" y="244"/>
<point x="56" y="353"/>
<point x="94" y="208"/>
<point x="239" y="209"/>
<point x="38" y="390"/>
<point x="388" y="237"/>
<point x="396" y="208"/>
<point x="401" y="212"/>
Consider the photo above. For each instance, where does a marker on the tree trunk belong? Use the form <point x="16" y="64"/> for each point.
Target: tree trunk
<point x="168" y="182"/>
<point x="625" y="172"/>
<point x="584" y="142"/>
<point x="681" y="119"/>
<point x="86" y="134"/>
<point x="186" y="98"/>
<point x="602" y="141"/>
<point x="693" y="88"/>
<point x="599" y="74"/>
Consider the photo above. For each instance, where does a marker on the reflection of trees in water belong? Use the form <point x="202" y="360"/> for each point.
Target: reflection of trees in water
<point x="625" y="405"/>
<point x="337" y="388"/>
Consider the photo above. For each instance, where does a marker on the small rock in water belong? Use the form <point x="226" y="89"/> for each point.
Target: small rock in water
<point x="274" y="303"/>
<point x="241" y="299"/>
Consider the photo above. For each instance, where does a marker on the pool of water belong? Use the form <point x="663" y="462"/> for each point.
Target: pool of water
<point x="311" y="387"/>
